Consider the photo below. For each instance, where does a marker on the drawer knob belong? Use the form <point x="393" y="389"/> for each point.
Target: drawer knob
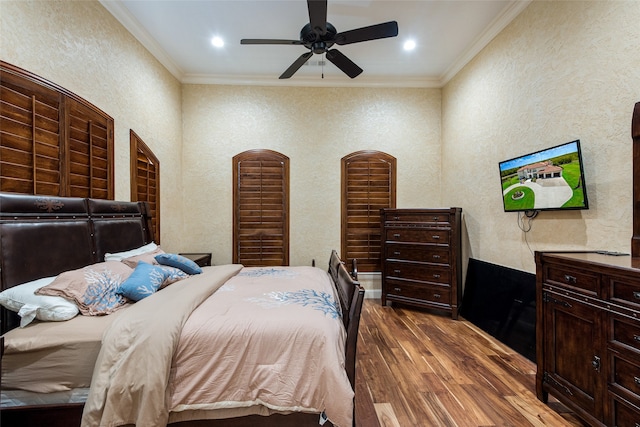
<point x="636" y="337"/>
<point x="396" y="271"/>
<point x="435" y="218"/>
<point x="436" y="257"/>
<point x="570" y="279"/>
<point x="636" y="380"/>
<point x="396" y="235"/>
<point x="596" y="363"/>
<point x="435" y="237"/>
<point x="636" y="295"/>
<point x="437" y="276"/>
<point x="397" y="289"/>
<point x="397" y="253"/>
<point x="437" y="296"/>
<point x="396" y="218"/>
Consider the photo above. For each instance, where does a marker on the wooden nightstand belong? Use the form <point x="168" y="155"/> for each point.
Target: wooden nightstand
<point x="203" y="259"/>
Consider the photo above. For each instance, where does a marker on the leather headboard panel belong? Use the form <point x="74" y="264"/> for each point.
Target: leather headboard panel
<point x="118" y="226"/>
<point x="31" y="250"/>
<point x="42" y="236"/>
<point x="117" y="235"/>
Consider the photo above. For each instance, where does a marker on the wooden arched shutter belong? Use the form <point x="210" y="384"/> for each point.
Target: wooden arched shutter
<point x="145" y="180"/>
<point x="89" y="151"/>
<point x="368" y="185"/>
<point x="261" y="208"/>
<point x="52" y="142"/>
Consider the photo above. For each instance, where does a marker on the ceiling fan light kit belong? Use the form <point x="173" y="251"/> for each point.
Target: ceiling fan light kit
<point x="319" y="36"/>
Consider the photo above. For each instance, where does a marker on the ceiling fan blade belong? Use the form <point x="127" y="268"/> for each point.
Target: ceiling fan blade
<point x="344" y="63"/>
<point x="296" y="65"/>
<point x="372" y="32"/>
<point x="270" y="41"/>
<point x="318" y="16"/>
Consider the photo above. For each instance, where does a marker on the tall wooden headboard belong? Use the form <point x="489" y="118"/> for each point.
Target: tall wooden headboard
<point x="635" y="134"/>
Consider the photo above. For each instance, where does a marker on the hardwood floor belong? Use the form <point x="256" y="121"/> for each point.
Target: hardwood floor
<point x="421" y="368"/>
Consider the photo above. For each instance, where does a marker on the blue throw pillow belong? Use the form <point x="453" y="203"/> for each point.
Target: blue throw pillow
<point x="144" y="281"/>
<point x="178" y="261"/>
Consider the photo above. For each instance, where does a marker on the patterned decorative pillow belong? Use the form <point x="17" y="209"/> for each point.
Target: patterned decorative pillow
<point x="93" y="288"/>
<point x="149" y="258"/>
<point x="145" y="280"/>
<point x="178" y="261"/>
<point x="173" y="275"/>
<point x="23" y="300"/>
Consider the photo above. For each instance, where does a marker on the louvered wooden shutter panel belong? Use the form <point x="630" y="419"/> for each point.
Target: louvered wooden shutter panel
<point x="52" y="142"/>
<point x="30" y="135"/>
<point x="368" y="184"/>
<point x="261" y="214"/>
<point x="145" y="180"/>
<point x="90" y="152"/>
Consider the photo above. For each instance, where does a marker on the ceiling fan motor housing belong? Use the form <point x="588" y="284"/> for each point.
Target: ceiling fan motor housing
<point x="318" y="43"/>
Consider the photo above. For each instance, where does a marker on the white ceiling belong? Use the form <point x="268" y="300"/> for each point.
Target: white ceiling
<point x="447" y="33"/>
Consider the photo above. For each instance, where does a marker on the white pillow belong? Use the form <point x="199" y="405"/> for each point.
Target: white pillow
<point x="119" y="256"/>
<point x="23" y="300"/>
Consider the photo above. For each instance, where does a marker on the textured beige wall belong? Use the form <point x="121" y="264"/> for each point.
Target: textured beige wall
<point x="560" y="71"/>
<point x="315" y="128"/>
<point x="83" y="48"/>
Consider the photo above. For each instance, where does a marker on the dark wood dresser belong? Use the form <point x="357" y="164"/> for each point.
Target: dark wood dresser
<point x="421" y="261"/>
<point x="588" y="335"/>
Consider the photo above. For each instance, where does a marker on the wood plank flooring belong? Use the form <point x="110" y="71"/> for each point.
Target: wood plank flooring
<point x="421" y="368"/>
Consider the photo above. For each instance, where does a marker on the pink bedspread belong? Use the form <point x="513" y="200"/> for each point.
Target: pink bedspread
<point x="221" y="343"/>
<point x="270" y="336"/>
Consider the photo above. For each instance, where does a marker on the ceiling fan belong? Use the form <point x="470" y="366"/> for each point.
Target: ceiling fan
<point x="319" y="36"/>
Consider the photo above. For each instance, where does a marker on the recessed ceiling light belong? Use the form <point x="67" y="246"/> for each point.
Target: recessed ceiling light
<point x="409" y="45"/>
<point x="217" y="41"/>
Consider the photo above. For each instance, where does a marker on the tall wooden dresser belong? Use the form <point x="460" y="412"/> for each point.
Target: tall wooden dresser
<point x="421" y="259"/>
<point x="588" y="335"/>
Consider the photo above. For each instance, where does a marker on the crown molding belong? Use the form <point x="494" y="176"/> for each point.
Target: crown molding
<point x="507" y="15"/>
<point x="361" y="81"/>
<point x="128" y="21"/>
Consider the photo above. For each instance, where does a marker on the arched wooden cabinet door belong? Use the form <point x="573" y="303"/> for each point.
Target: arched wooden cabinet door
<point x="368" y="185"/>
<point x="261" y="208"/>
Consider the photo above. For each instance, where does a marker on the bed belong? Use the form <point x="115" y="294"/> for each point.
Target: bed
<point x="252" y="376"/>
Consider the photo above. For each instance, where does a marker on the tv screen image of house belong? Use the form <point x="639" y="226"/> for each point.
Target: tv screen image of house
<point x="550" y="179"/>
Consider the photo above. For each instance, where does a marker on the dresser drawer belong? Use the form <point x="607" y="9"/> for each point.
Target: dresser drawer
<point x="577" y="280"/>
<point x="423" y="273"/>
<point x="626" y="332"/>
<point x="419" y="253"/>
<point x="435" y="294"/>
<point x="624" y="413"/>
<point x="418" y="217"/>
<point x="626" y="374"/>
<point x="625" y="292"/>
<point x="418" y="235"/>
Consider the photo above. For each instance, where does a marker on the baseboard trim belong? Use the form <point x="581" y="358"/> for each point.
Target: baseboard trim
<point x="372" y="293"/>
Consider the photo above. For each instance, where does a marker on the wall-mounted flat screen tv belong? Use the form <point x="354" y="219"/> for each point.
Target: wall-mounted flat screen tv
<point x="550" y="179"/>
